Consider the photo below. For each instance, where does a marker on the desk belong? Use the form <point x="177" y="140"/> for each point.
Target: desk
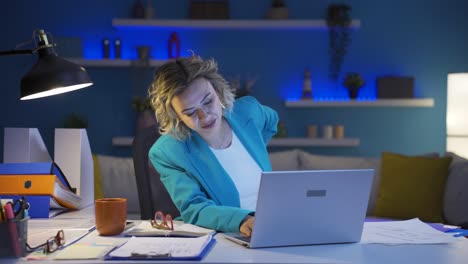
<point x="228" y="252"/>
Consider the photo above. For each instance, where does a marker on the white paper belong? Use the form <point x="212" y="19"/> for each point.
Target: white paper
<point x="170" y="247"/>
<point x="58" y="223"/>
<point x="84" y="251"/>
<point x="39" y="230"/>
<point x="412" y="231"/>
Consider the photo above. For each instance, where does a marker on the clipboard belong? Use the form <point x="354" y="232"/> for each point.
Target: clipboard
<point x="162" y="248"/>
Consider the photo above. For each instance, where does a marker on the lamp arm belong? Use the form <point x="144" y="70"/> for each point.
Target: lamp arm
<point x="15" y="52"/>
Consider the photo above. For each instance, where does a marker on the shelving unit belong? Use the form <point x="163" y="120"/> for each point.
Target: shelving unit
<point x="412" y="102"/>
<point x="313" y="142"/>
<point x="225" y="24"/>
<point x="314" y="24"/>
<point x="114" y="62"/>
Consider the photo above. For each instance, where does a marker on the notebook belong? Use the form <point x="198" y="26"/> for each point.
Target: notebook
<point x="309" y="207"/>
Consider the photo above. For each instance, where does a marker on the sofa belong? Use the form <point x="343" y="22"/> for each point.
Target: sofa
<point x="116" y="178"/>
<point x="453" y="188"/>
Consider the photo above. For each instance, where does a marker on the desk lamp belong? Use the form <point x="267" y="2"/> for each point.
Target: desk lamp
<point x="51" y="74"/>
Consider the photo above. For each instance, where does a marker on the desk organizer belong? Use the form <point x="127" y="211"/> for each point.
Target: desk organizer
<point x="13" y="238"/>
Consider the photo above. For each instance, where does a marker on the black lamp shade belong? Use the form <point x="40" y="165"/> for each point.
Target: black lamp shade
<point x="52" y="75"/>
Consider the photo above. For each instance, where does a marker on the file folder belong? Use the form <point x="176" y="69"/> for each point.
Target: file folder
<point x="36" y="184"/>
<point x="46" y="168"/>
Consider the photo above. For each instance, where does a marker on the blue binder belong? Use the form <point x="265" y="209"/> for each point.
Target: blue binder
<point x="39" y="205"/>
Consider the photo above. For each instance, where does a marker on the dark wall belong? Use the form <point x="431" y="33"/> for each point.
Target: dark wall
<point x="423" y="39"/>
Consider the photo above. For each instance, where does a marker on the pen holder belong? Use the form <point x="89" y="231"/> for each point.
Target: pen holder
<point x="13" y="238"/>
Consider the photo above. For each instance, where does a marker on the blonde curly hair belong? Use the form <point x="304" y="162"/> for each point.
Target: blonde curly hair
<point x="172" y="79"/>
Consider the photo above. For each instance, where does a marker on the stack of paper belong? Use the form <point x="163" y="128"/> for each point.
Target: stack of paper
<point x="412" y="231"/>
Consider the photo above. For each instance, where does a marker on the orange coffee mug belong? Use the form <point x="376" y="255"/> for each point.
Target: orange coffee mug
<point x="111" y="215"/>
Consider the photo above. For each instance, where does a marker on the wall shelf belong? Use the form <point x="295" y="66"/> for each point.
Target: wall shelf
<point x="122" y="141"/>
<point x="275" y="142"/>
<point x="225" y="23"/>
<point x="411" y="102"/>
<point x="114" y="62"/>
<point x="313" y="142"/>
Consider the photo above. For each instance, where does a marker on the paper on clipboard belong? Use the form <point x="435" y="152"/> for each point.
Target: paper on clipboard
<point x="161" y="248"/>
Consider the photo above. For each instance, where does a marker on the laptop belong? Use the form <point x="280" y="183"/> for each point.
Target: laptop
<point x="309" y="207"/>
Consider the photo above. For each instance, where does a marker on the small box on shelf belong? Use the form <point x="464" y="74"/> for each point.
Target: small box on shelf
<point x="395" y="87"/>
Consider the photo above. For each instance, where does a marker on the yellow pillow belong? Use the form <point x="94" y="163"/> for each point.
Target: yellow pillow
<point x="412" y="187"/>
<point x="97" y="179"/>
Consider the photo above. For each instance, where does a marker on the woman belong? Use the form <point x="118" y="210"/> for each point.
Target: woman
<point x="212" y="147"/>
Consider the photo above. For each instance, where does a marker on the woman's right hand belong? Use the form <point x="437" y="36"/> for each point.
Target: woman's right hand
<point x="247" y="226"/>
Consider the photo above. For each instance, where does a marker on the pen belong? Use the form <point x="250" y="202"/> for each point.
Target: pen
<point x="458" y="232"/>
<point x="12" y="228"/>
<point x="150" y="256"/>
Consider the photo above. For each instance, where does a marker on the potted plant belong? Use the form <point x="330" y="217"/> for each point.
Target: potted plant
<point x="353" y="82"/>
<point x="145" y="112"/>
<point x="75" y="120"/>
<point x="278" y="10"/>
<point x="246" y="89"/>
<point x="338" y="21"/>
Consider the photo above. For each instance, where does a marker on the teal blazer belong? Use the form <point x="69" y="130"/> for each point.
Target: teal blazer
<point x="198" y="184"/>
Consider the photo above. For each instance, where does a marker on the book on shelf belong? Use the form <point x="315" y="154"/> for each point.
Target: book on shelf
<point x="181" y="229"/>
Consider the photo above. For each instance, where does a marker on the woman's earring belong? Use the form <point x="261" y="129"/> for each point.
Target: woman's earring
<point x="222" y="106"/>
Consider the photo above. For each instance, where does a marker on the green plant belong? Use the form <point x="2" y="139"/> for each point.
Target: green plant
<point x="338" y="21"/>
<point x="140" y="104"/>
<point x="353" y="81"/>
<point x="74" y="120"/>
<point x="278" y="3"/>
<point x="245" y="90"/>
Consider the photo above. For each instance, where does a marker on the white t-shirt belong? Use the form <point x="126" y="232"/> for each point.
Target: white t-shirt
<point x="244" y="171"/>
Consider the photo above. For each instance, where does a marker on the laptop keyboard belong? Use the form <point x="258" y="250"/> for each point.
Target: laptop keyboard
<point x="243" y="238"/>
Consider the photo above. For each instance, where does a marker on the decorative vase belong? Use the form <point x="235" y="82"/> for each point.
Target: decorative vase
<point x="307" y="85"/>
<point x="278" y="10"/>
<point x="149" y="10"/>
<point x="138" y="10"/>
<point x="353" y="92"/>
<point x="277" y="13"/>
<point x="173" y="46"/>
<point x="353" y="81"/>
<point x="144" y="54"/>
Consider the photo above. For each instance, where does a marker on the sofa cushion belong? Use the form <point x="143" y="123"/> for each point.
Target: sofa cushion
<point x="456" y="192"/>
<point x="309" y="161"/>
<point x="412" y="187"/>
<point x="285" y="160"/>
<point x="118" y="180"/>
<point x="97" y="179"/>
